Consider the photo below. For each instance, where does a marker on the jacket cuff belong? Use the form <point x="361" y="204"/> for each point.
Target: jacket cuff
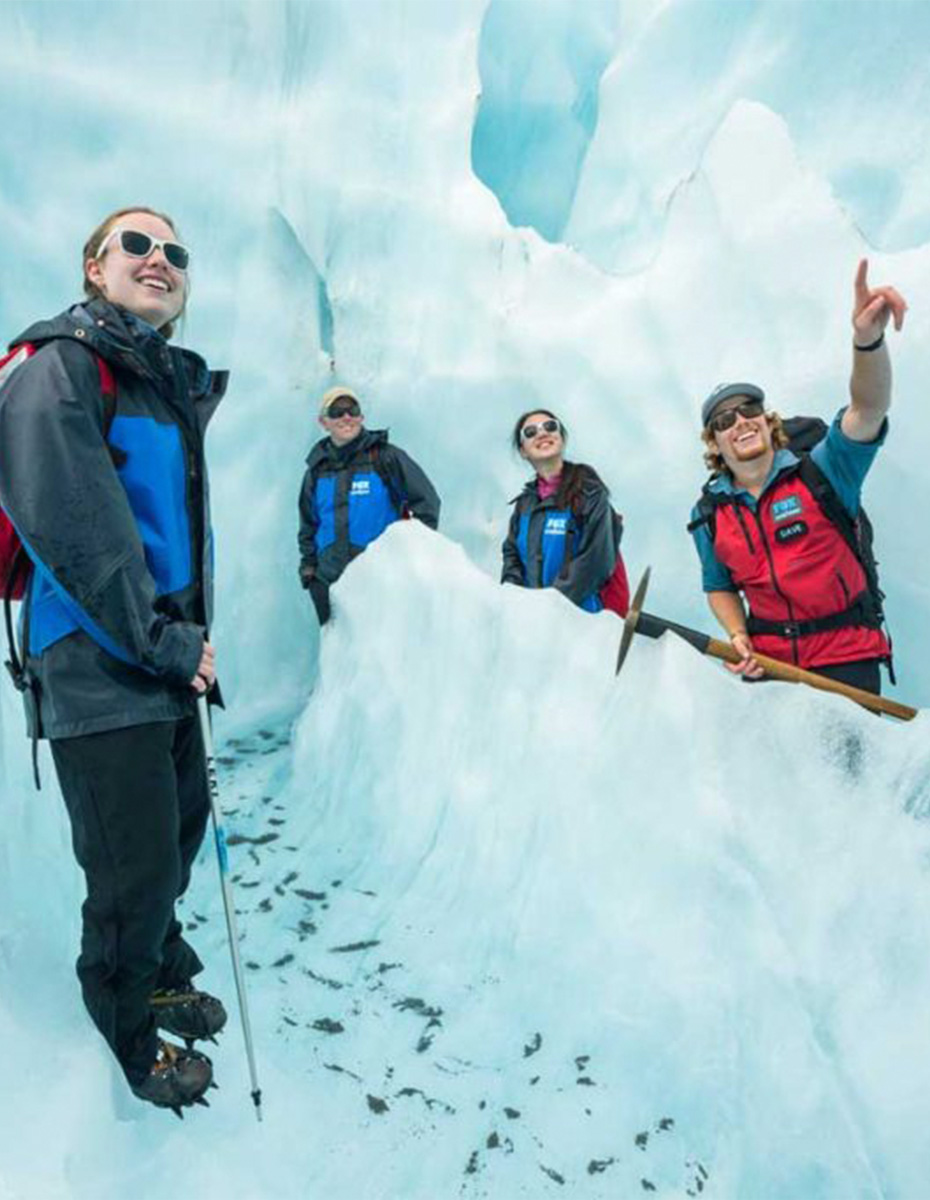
<point x="177" y="652"/>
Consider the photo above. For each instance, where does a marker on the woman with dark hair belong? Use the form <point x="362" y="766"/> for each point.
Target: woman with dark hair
<point x="563" y="531"/>
<point x="102" y="475"/>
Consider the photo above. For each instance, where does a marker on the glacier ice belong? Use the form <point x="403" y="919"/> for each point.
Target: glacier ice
<point x="667" y="886"/>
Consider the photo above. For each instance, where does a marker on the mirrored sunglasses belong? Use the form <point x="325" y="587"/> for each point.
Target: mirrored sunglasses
<point x="528" y="432"/>
<point x="137" y="244"/>
<point x="721" y="422"/>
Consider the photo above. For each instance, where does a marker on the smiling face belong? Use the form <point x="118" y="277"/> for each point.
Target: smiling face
<point x="544" y="450"/>
<point x="344" y="427"/>
<point x="148" y="287"/>
<point x="747" y="440"/>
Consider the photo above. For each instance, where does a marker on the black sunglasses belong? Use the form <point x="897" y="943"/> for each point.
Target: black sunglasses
<point x="137" y="244"/>
<point x="343" y="408"/>
<point x="528" y="432"/>
<point x="727" y="419"/>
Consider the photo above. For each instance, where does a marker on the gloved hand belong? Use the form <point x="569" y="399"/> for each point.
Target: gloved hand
<point x="307" y="574"/>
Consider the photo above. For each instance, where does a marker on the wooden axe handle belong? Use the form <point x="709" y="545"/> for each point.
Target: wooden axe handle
<point x="790" y="674"/>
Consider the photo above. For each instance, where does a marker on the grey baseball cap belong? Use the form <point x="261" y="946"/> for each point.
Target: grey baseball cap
<point x="725" y="391"/>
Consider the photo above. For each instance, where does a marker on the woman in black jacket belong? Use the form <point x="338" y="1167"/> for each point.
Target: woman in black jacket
<point x="102" y="475"/>
<point x="563" y="531"/>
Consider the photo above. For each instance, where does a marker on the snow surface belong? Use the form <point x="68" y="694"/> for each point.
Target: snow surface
<point x="668" y="930"/>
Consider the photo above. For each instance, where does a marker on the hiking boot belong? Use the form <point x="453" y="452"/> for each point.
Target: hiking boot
<point x="187" y="1013"/>
<point x="178" y="1078"/>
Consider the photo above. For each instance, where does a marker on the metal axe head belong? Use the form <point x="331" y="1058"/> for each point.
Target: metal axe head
<point x="632" y="618"/>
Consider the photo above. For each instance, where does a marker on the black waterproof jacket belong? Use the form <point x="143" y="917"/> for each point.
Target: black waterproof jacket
<point x="351" y="493"/>
<point x="111" y="504"/>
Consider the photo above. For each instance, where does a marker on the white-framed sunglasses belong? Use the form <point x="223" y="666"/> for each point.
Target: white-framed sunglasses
<point x="529" y="432"/>
<point x="137" y="244"/>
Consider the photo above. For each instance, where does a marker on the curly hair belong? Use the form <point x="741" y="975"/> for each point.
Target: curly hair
<point x="713" y="459"/>
<point x="99" y="236"/>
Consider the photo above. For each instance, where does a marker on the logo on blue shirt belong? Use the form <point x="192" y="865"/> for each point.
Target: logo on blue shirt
<point x="361" y="487"/>
<point x="557" y="526"/>
<point x="787" y="509"/>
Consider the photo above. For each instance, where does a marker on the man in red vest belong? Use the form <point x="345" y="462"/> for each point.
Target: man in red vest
<point x="779" y="574"/>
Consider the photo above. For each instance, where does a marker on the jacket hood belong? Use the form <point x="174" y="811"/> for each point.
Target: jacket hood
<point x="326" y="451"/>
<point x="103" y="327"/>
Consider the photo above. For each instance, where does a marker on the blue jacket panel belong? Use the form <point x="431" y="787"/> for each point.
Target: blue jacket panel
<point x="153" y="472"/>
<point x="370" y="508"/>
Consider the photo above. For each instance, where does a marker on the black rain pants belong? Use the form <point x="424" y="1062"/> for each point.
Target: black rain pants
<point x="319" y="594"/>
<point x="138" y="803"/>
<point x="865" y="673"/>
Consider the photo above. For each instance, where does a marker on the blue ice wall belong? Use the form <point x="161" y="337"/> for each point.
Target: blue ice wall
<point x="852" y="89"/>
<point x="540" y="65"/>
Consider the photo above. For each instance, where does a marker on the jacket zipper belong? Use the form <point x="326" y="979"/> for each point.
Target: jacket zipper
<point x="768" y="554"/>
<point x="743" y="526"/>
<point x="182" y="403"/>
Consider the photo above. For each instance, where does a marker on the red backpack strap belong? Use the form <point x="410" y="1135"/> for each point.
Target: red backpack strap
<point x="107" y="391"/>
<point x="10" y="361"/>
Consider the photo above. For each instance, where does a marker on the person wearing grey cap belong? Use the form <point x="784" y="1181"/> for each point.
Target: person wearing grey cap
<point x="356" y="484"/>
<point x="776" y="530"/>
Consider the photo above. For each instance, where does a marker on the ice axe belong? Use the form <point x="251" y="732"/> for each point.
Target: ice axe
<point x="637" y="621"/>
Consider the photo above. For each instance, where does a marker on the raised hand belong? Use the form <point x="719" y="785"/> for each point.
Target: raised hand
<point x="872" y="308"/>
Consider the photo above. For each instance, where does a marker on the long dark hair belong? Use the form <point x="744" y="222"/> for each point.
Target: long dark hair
<point x="574" y="476"/>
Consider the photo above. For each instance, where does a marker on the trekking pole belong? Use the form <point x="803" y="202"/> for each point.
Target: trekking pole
<point x="222" y="858"/>
<point x="645" y="623"/>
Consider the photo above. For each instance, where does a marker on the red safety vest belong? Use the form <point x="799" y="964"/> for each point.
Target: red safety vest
<point x="794" y="566"/>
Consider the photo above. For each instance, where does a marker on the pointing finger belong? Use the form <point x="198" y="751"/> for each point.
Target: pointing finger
<point x="862" y="283"/>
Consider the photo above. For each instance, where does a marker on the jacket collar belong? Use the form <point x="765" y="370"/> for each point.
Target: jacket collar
<point x="724" y="484"/>
<point x="325" y="450"/>
<point x="126" y="342"/>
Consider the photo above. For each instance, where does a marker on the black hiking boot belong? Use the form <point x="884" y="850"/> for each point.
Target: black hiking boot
<point x="187" y="1013"/>
<point x="178" y="1078"/>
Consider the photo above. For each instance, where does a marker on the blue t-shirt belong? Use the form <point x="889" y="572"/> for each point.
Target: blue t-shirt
<point x="845" y="464"/>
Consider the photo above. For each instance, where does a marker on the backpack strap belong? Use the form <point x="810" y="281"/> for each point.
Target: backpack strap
<point x="852" y="529"/>
<point x="707" y="505"/>
<point x="15" y="664"/>
<point x="397" y="499"/>
<point x="107" y="391"/>
<point x="861" y="612"/>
